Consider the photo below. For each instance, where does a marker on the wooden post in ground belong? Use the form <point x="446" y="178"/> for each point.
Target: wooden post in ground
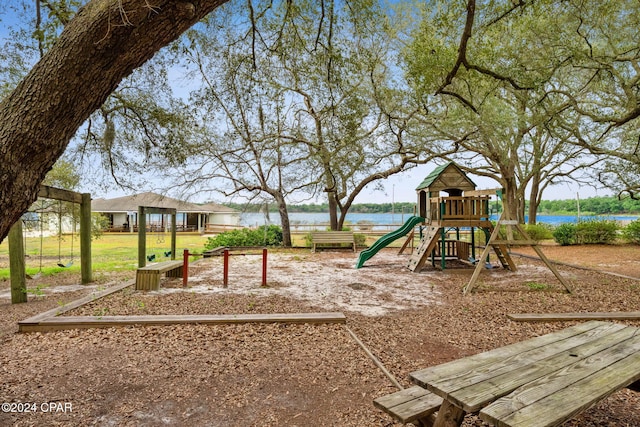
<point x="225" y="268"/>
<point x="174" y="228"/>
<point x="142" y="237"/>
<point x="264" y="267"/>
<point x="185" y="267"/>
<point x="16" y="264"/>
<point x="85" y="238"/>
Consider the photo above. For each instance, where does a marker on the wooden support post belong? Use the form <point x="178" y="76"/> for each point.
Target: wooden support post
<point x="480" y="263"/>
<point x="85" y="239"/>
<point x="174" y="227"/>
<point x="142" y="237"/>
<point x="225" y="268"/>
<point x="473" y="244"/>
<point x="16" y="264"/>
<point x="185" y="268"/>
<point x="449" y="415"/>
<point x="443" y="249"/>
<point x="264" y="267"/>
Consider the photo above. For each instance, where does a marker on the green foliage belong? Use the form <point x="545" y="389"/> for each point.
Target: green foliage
<point x="597" y="232"/>
<point x="360" y="239"/>
<point x="536" y="286"/>
<point x="631" y="232"/>
<point x="308" y="240"/>
<point x="591" y="206"/>
<point x="64" y="174"/>
<point x="265" y="235"/>
<point x="539" y="232"/>
<point x="601" y="232"/>
<point x="99" y="223"/>
<point x="565" y="234"/>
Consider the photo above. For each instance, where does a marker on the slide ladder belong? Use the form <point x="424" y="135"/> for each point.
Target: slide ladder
<point x="385" y="240"/>
<point x="427" y="245"/>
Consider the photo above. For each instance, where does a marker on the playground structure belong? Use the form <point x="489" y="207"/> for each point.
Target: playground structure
<point x="462" y="207"/>
<point x="438" y="217"/>
<point x="16" y="243"/>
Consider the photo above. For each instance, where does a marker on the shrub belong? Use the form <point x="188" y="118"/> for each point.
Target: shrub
<point x="265" y="235"/>
<point x="360" y="239"/>
<point x="631" y="232"/>
<point x="539" y="232"/>
<point x="565" y="234"/>
<point x="308" y="240"/>
<point x="597" y="232"/>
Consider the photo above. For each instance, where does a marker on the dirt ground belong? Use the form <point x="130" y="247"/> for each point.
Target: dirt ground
<point x="292" y="375"/>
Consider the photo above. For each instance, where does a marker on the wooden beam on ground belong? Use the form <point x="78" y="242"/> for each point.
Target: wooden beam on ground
<point x="73" y="304"/>
<point x="84" y="322"/>
<point x="561" y="317"/>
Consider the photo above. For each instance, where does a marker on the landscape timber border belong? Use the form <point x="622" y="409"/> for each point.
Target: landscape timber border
<point x="53" y="321"/>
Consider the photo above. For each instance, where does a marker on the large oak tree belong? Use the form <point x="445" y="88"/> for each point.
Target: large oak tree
<point x="100" y="46"/>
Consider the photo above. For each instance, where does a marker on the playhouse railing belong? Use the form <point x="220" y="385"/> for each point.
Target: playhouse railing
<point x="459" y="208"/>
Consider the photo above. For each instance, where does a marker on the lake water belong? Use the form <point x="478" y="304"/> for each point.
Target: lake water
<point x="256" y="219"/>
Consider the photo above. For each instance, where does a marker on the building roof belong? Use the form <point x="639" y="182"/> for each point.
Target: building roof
<point x="447" y="176"/>
<point x="131" y="203"/>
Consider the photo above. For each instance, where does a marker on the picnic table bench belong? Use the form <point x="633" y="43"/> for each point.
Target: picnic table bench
<point x="411" y="405"/>
<point x="332" y="238"/>
<point x="148" y="277"/>
<point x="543" y="381"/>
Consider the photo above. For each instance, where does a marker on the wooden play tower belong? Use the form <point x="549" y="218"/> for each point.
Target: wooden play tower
<point x="462" y="207"/>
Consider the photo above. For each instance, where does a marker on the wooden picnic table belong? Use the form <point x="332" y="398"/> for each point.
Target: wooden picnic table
<point x="542" y="381"/>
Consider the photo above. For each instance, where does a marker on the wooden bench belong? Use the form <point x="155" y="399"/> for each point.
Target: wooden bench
<point x="332" y="238"/>
<point x="411" y="405"/>
<point x="148" y="278"/>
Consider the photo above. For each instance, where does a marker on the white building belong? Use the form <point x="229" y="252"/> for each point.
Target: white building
<point x="122" y="213"/>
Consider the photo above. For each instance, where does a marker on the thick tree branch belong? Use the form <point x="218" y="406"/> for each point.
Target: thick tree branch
<point x="72" y="80"/>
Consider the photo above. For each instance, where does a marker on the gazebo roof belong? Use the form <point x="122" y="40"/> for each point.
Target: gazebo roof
<point x="445" y="177"/>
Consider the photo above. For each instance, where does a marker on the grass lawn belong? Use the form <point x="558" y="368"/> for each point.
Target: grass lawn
<point x="111" y="252"/>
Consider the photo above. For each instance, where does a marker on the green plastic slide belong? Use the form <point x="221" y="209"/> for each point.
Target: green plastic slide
<point x="387" y="239"/>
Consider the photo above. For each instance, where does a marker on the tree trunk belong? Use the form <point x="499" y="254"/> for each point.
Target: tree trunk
<point x="333" y="211"/>
<point x="99" y="47"/>
<point x="284" y="220"/>
<point x="534" y="199"/>
<point x="510" y="199"/>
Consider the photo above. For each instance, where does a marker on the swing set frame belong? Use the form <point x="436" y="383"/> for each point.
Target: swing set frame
<point x="142" y="231"/>
<point x="16" y="242"/>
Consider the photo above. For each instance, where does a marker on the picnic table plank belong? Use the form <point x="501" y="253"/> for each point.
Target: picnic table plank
<point x="456" y="380"/>
<point x="479" y="395"/>
<point x="556" y="398"/>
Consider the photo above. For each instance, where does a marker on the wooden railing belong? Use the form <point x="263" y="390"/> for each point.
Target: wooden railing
<point x="459" y="208"/>
<point x="454" y="248"/>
